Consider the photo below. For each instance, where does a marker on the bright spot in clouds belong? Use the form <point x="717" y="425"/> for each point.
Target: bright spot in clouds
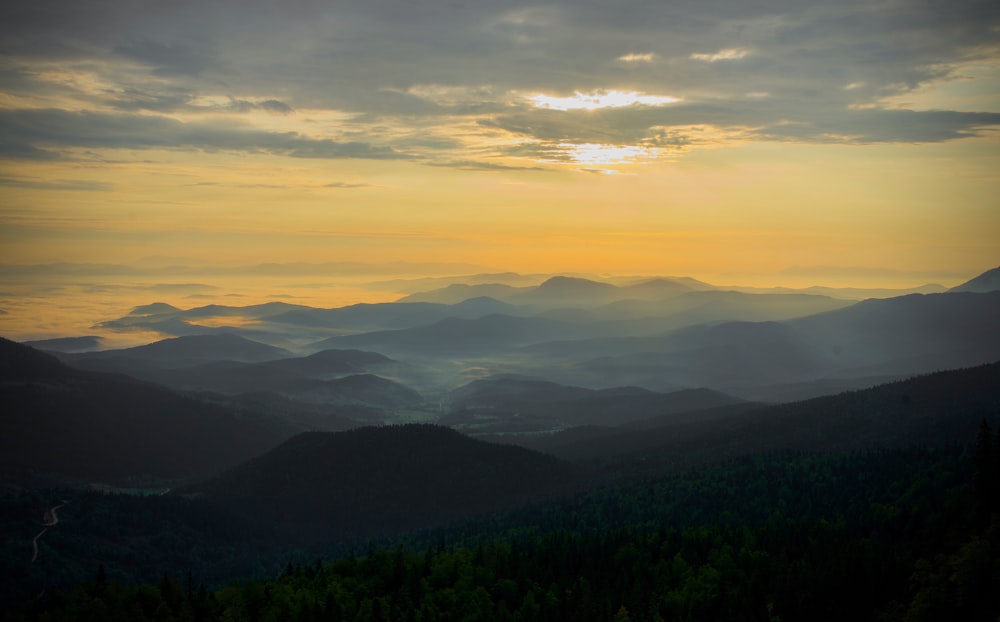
<point x="726" y="54"/>
<point x="601" y="99"/>
<point x="593" y="154"/>
<point x="637" y="58"/>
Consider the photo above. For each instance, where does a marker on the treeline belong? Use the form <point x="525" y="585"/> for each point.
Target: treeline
<point x="875" y="535"/>
<point x="136" y="539"/>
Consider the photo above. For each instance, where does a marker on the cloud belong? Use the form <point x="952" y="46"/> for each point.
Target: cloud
<point x="84" y="185"/>
<point x="12" y="150"/>
<point x="225" y="104"/>
<point x="275" y="106"/>
<point x="480" y="165"/>
<point x="592" y="153"/>
<point x="726" y="54"/>
<point x="184" y="58"/>
<point x="54" y="131"/>
<point x="130" y="98"/>
<point x="601" y="99"/>
<point x="412" y="78"/>
<point x="344" y="184"/>
<point x="746" y="119"/>
<point x="646" y="57"/>
<point x="886" y="126"/>
<point x="176" y="100"/>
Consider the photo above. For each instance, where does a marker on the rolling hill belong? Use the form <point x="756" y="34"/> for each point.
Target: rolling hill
<point x="931" y="410"/>
<point x="327" y="363"/>
<point x="189" y="350"/>
<point x="363" y="389"/>
<point x="390" y="315"/>
<point x="509" y="404"/>
<point x="370" y="481"/>
<point x="484" y="335"/>
<point x="333" y="377"/>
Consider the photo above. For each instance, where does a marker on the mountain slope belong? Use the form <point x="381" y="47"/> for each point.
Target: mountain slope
<point x="91" y="425"/>
<point x="988" y="281"/>
<point x="507" y="404"/>
<point x="874" y="338"/>
<point x="363" y="389"/>
<point x="67" y="344"/>
<point x="365" y="316"/>
<point x="179" y="351"/>
<point x="457" y="335"/>
<point x="931" y="410"/>
<point x="326" y="363"/>
<point x="457" y="292"/>
<point x="565" y="291"/>
<point x="561" y="291"/>
<point x="918" y="333"/>
<point x="373" y="481"/>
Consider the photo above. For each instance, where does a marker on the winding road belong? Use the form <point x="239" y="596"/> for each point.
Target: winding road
<point x="49" y="519"/>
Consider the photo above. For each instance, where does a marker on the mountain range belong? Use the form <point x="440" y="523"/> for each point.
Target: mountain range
<point x="929" y="411"/>
<point x="661" y="334"/>
<point x="377" y="480"/>
<point x="551" y="419"/>
<point x="565" y="354"/>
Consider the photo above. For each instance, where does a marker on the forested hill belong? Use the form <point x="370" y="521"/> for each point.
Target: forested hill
<point x="376" y="480"/>
<point x="929" y="410"/>
<point x="900" y="535"/>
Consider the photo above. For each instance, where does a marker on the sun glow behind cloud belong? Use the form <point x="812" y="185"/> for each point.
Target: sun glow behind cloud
<point x="594" y="154"/>
<point x="637" y="58"/>
<point x="726" y="54"/>
<point x="601" y="99"/>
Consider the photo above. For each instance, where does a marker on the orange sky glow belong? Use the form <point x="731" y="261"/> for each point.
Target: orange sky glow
<point x="737" y="147"/>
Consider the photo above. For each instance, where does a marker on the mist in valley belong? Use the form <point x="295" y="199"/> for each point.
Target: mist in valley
<point x="305" y="428"/>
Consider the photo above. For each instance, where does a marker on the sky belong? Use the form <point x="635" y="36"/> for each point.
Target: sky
<point x="762" y="142"/>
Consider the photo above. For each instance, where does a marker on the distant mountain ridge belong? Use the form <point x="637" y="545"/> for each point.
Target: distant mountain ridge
<point x="988" y="281"/>
<point x="569" y="296"/>
<point x="912" y="334"/>
<point x="929" y="410"/>
<point x="663" y="334"/>
<point x="83" y="343"/>
<point x="195" y="348"/>
<point x="562" y="291"/>
<point x="484" y="334"/>
<point x="458" y="292"/>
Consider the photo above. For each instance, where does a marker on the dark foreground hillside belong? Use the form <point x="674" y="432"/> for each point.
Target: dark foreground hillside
<point x="106" y="427"/>
<point x="879" y="535"/>
<point x="890" y="510"/>
<point x="378" y="480"/>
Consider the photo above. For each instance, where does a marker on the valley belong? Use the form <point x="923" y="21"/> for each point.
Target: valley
<point x="287" y="432"/>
